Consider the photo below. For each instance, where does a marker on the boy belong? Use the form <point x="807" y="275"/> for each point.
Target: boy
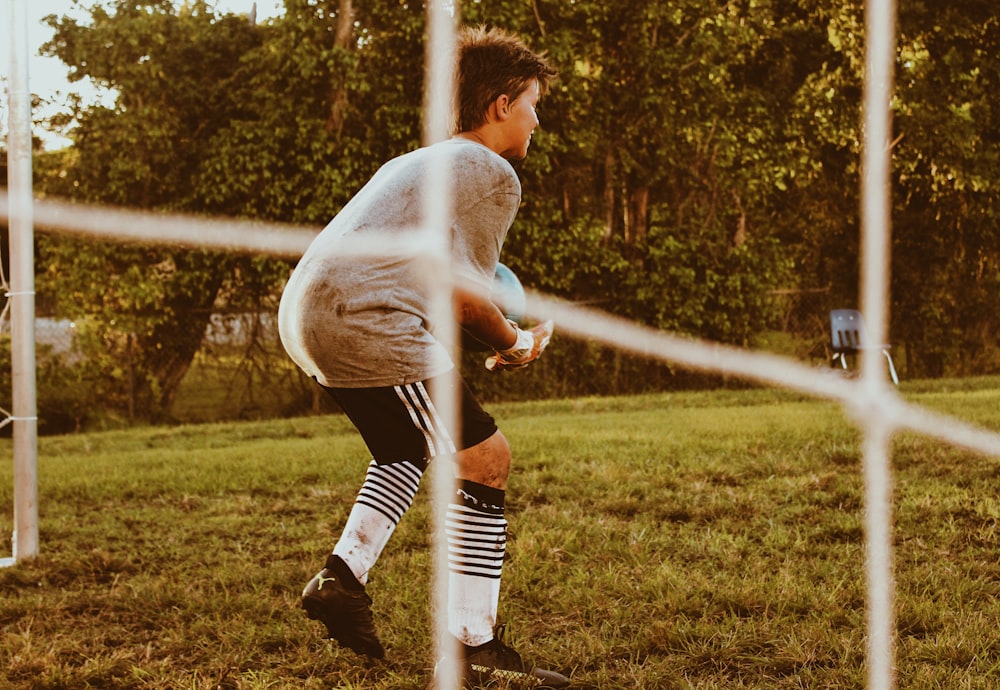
<point x="360" y="325"/>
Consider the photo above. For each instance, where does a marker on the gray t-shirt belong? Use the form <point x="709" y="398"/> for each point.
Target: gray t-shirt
<point x="356" y="320"/>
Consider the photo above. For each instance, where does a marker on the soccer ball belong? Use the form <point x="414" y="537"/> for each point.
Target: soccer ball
<point x="508" y="293"/>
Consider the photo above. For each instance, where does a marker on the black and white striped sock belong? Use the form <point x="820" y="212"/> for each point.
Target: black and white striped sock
<point x="477" y="541"/>
<point x="386" y="494"/>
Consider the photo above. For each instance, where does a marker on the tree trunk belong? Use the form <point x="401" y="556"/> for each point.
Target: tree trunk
<point x="168" y="367"/>
<point x="610" y="163"/>
<point x="168" y="350"/>
<point x="343" y="38"/>
<point x="740" y="234"/>
<point x="637" y="217"/>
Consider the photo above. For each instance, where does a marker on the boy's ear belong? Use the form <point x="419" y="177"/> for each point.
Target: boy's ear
<point x="501" y="107"/>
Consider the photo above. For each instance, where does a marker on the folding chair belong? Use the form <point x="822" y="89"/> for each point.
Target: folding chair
<point x="850" y="337"/>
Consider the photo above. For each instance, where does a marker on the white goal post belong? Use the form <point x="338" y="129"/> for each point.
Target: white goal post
<point x="20" y="293"/>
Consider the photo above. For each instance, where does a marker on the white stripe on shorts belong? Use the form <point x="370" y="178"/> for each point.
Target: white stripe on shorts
<point x="425" y="417"/>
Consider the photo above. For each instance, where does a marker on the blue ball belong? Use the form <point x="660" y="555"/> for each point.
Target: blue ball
<point x="508" y="293"/>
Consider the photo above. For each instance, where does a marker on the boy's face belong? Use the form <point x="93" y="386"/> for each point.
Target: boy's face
<point x="521" y="122"/>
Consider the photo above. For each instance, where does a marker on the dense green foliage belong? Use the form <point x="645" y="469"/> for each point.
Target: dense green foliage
<point x="142" y="311"/>
<point x="694" y="161"/>
<point x="667" y="542"/>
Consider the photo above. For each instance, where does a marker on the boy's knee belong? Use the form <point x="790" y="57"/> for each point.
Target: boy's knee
<point x="487" y="462"/>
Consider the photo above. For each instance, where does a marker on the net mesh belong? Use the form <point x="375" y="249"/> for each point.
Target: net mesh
<point x="877" y="408"/>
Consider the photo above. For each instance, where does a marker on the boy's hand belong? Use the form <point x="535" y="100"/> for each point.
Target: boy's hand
<point x="529" y="346"/>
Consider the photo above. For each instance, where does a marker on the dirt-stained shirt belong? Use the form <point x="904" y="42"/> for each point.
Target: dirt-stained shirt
<point x="356" y="311"/>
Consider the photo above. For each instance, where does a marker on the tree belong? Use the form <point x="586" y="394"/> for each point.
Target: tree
<point x="336" y="90"/>
<point x="692" y="159"/>
<point x="662" y="157"/>
<point x="145" y="308"/>
<point x="216" y="115"/>
<point x="946" y="260"/>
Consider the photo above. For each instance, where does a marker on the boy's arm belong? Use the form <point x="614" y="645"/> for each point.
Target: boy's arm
<point x="482" y="319"/>
<point x="513" y="346"/>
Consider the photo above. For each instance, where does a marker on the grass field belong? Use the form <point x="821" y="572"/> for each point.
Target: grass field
<point x="691" y="540"/>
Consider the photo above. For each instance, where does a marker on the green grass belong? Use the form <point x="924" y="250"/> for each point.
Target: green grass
<point x="686" y="540"/>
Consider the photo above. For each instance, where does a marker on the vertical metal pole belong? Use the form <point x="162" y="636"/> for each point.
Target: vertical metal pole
<point x="880" y="47"/>
<point x="22" y="291"/>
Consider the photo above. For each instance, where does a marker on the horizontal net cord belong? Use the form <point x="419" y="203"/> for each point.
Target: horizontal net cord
<point x="228" y="234"/>
<point x="584" y="322"/>
<point x="102" y="222"/>
<point x="855" y="395"/>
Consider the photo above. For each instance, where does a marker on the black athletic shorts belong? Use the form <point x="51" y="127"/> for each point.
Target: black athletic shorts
<point x="402" y="422"/>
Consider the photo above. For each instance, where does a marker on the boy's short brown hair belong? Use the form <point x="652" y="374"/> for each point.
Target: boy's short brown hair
<point x="491" y="63"/>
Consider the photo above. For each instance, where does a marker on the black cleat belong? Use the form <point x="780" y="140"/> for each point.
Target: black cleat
<point x="336" y="599"/>
<point x="496" y="665"/>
